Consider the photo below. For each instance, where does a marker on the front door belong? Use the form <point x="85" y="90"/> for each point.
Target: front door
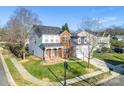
<point x="60" y="52"/>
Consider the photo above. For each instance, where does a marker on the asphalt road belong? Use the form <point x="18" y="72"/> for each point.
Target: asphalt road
<point x="118" y="81"/>
<point x="3" y="78"/>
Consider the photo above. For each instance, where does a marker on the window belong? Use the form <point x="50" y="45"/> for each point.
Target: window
<point x="35" y="42"/>
<point x="32" y="52"/>
<point x="46" y="40"/>
<point x="56" y="40"/>
<point x="51" y="40"/>
<point x="85" y="41"/>
<point x="79" y="40"/>
<point x="66" y="51"/>
<point x="65" y="40"/>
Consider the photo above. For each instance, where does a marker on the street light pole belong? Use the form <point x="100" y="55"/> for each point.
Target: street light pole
<point x="65" y="67"/>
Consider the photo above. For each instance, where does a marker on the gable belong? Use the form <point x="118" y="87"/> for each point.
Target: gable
<point x="65" y="33"/>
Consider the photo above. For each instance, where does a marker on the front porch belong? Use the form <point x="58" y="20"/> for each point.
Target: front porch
<point x="49" y="53"/>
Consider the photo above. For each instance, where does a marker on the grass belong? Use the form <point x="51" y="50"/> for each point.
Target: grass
<point x="15" y="74"/>
<point x="112" y="58"/>
<point x="41" y="71"/>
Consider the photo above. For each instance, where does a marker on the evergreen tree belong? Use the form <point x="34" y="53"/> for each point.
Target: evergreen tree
<point x="65" y="27"/>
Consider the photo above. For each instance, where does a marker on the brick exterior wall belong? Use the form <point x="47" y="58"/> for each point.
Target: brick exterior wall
<point x="65" y="38"/>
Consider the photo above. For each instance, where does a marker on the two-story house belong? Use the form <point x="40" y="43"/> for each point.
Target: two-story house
<point x="49" y="42"/>
<point x="80" y="41"/>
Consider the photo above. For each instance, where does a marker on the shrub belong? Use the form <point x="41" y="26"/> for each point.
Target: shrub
<point x="116" y="43"/>
<point x="104" y="50"/>
<point x="17" y="50"/>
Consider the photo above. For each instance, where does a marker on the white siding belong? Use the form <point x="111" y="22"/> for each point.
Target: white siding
<point x="80" y="51"/>
<point x="35" y="42"/>
<point x="51" y="38"/>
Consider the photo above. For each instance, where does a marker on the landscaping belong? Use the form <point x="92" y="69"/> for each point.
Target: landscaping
<point x="15" y="74"/>
<point x="37" y="69"/>
<point x="112" y="58"/>
<point x="34" y="65"/>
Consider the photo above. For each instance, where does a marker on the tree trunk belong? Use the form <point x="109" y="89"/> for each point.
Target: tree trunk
<point x="23" y="56"/>
<point x="88" y="65"/>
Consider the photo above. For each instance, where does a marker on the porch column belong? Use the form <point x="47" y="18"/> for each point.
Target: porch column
<point x="44" y="54"/>
<point x="51" y="53"/>
<point x="57" y="54"/>
<point x="62" y="53"/>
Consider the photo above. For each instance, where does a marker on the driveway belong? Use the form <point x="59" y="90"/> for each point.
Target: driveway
<point x="118" y="81"/>
<point x="3" y="78"/>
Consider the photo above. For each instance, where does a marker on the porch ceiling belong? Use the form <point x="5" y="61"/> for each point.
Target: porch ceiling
<point x="51" y="45"/>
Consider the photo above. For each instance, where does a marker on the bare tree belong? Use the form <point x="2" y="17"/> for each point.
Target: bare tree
<point x="91" y="27"/>
<point x="19" y="26"/>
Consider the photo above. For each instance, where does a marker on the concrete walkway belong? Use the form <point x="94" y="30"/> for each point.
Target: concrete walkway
<point x="99" y="64"/>
<point x="118" y="81"/>
<point x="105" y="66"/>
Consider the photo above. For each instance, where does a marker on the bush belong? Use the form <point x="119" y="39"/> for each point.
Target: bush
<point x="17" y="50"/>
<point x="116" y="43"/>
<point x="104" y="50"/>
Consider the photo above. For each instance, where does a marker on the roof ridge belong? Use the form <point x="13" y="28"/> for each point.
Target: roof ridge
<point x="48" y="26"/>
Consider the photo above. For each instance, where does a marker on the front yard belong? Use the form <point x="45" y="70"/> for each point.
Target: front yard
<point x="37" y="69"/>
<point x="112" y="58"/>
<point x="35" y="66"/>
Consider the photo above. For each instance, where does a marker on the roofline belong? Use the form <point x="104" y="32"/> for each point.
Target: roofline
<point x="48" y="26"/>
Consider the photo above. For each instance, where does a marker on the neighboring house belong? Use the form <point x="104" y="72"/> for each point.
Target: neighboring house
<point x="78" y="46"/>
<point x="80" y="43"/>
<point x="101" y="39"/>
<point x="104" y="41"/>
<point x="49" y="42"/>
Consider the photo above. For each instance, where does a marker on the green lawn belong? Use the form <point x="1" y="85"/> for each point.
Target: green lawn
<point x="112" y="58"/>
<point x="41" y="71"/>
<point x="14" y="72"/>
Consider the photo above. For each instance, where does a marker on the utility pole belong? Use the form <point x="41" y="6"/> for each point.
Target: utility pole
<point x="65" y="67"/>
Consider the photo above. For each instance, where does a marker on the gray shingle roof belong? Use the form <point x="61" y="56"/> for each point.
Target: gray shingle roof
<point x="50" y="45"/>
<point x="74" y="35"/>
<point x="39" y="30"/>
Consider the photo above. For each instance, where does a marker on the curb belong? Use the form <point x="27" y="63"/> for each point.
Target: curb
<point x="107" y="79"/>
<point x="84" y="77"/>
<point x="7" y="72"/>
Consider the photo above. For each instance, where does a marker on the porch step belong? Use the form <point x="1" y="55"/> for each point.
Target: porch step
<point x="53" y="61"/>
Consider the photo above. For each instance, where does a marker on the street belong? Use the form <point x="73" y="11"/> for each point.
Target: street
<point x="118" y="81"/>
<point x="3" y="79"/>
